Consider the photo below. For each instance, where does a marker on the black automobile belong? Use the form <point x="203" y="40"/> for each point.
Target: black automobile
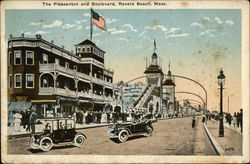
<point x="57" y="131"/>
<point x="122" y="131"/>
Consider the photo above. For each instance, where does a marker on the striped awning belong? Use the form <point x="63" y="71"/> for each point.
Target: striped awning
<point x="20" y="105"/>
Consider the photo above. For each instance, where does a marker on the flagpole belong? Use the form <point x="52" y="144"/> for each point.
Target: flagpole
<point x="91" y="25"/>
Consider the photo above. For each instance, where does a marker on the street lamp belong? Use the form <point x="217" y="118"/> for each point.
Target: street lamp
<point x="221" y="82"/>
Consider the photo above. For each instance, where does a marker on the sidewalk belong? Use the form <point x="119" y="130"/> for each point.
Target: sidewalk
<point x="231" y="143"/>
<point x="40" y="127"/>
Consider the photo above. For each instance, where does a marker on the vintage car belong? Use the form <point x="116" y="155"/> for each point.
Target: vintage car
<point x="122" y="131"/>
<point x="57" y="131"/>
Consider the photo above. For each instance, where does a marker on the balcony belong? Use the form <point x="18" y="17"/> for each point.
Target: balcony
<point x="70" y="93"/>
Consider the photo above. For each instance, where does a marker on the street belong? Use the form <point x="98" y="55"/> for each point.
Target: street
<point x="170" y="137"/>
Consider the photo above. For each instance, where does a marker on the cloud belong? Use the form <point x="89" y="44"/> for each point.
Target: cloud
<point x="172" y="30"/>
<point x="34" y="33"/>
<point x="76" y="26"/>
<point x="142" y="33"/>
<point x="131" y="27"/>
<point x="208" y="31"/>
<point x="206" y="18"/>
<point x="160" y="27"/>
<point x="196" y="24"/>
<point x="118" y="32"/>
<point x="80" y="21"/>
<point x="230" y="22"/>
<point x="86" y="14"/>
<point x="112" y="29"/>
<point x="218" y="20"/>
<point x="109" y="21"/>
<point x="37" y="23"/>
<point x="178" y="35"/>
<point x="123" y="39"/>
<point x="56" y="23"/>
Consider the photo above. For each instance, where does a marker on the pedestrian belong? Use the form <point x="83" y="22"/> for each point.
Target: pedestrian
<point x="238" y="119"/>
<point x="108" y="117"/>
<point x="193" y="122"/>
<point x="203" y="118"/>
<point x="28" y="113"/>
<point x="32" y="120"/>
<point x="234" y="119"/>
<point x="17" y="121"/>
<point x="229" y="119"/>
<point x="241" y="120"/>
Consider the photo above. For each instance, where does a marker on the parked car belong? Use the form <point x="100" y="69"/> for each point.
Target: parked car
<point x="122" y="131"/>
<point x="57" y="131"/>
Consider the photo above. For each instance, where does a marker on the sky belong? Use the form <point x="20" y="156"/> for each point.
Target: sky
<point x="197" y="43"/>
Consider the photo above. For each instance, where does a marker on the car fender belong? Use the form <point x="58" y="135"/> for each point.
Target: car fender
<point x="82" y="134"/>
<point x="129" y="131"/>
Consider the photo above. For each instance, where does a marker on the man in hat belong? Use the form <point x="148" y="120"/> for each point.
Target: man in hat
<point x="32" y="119"/>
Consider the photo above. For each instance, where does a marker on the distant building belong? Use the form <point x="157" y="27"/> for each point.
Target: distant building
<point x="57" y="81"/>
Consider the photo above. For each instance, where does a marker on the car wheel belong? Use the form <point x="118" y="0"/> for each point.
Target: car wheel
<point x="46" y="144"/>
<point x="79" y="140"/>
<point x="123" y="136"/>
<point x="149" y="131"/>
<point x="111" y="132"/>
<point x="33" y="143"/>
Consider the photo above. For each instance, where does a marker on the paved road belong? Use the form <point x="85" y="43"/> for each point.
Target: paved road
<point x="170" y="137"/>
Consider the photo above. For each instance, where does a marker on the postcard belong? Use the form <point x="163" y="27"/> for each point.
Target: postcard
<point x="125" y="81"/>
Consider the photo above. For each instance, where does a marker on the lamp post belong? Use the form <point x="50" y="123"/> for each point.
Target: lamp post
<point x="221" y="82"/>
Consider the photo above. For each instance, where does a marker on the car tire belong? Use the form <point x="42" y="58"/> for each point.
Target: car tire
<point x="79" y="140"/>
<point x="33" y="144"/>
<point x="149" y="132"/>
<point x="110" y="133"/>
<point x="46" y="144"/>
<point x="123" y="135"/>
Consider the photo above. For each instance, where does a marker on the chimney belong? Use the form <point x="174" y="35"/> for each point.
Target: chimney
<point x="52" y="41"/>
<point x="22" y="35"/>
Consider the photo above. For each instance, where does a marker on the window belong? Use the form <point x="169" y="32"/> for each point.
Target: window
<point x="10" y="58"/>
<point x="10" y="81"/>
<point x="18" y="80"/>
<point x="17" y="57"/>
<point x="83" y="49"/>
<point x="57" y="61"/>
<point x="66" y="64"/>
<point x="79" y="49"/>
<point x="75" y="68"/>
<point x="29" y="80"/>
<point x="45" y="59"/>
<point x="29" y="57"/>
<point x="88" y="49"/>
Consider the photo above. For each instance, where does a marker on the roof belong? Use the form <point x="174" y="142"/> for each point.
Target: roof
<point x="153" y="69"/>
<point x="168" y="82"/>
<point x="154" y="56"/>
<point x="87" y="42"/>
<point x="20" y="105"/>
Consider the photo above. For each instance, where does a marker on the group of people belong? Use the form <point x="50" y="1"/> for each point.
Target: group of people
<point x="236" y="119"/>
<point x="23" y="118"/>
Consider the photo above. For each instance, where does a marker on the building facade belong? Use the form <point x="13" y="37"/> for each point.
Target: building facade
<point x="57" y="81"/>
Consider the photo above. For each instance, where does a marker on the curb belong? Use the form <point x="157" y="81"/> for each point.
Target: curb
<point x="215" y="144"/>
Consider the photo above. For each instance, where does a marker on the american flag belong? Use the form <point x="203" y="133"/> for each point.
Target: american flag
<point x="98" y="20"/>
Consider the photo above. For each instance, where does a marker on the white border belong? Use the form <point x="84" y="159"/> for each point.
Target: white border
<point x="243" y="5"/>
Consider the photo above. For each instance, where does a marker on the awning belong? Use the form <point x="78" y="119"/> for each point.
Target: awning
<point x="20" y="105"/>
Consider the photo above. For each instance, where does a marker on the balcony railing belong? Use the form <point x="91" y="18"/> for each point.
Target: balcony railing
<point x="55" y="67"/>
<point x="70" y="93"/>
